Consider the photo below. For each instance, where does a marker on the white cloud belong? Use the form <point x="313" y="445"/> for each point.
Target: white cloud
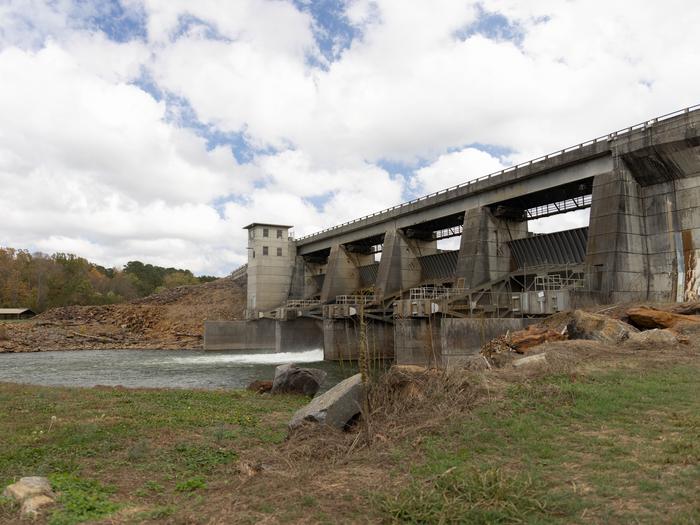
<point x="91" y="162"/>
<point x="455" y="168"/>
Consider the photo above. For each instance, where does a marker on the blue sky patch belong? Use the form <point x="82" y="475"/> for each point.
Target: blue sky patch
<point x="187" y="23"/>
<point x="332" y="29"/>
<point x="116" y="22"/>
<point x="493" y="26"/>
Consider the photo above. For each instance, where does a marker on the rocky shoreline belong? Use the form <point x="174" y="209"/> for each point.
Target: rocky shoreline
<point x="170" y="320"/>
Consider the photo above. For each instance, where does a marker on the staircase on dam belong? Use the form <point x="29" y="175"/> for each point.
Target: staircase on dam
<point x="385" y="273"/>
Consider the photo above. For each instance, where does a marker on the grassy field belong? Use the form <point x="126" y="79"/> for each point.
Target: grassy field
<point x="615" y="443"/>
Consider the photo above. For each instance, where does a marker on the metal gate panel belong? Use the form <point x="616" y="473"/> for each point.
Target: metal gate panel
<point x="438" y="266"/>
<point x="368" y="274"/>
<point x="558" y="248"/>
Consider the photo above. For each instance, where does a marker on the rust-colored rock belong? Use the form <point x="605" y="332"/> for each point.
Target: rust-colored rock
<point x="534" y="335"/>
<point x="646" y="317"/>
<point x="260" y="386"/>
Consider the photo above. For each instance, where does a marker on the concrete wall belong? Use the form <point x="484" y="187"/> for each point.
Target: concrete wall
<point x="341" y="340"/>
<point x="264" y="334"/>
<point x="446" y="341"/>
<point x="417" y="341"/>
<point x="299" y="335"/>
<point x="240" y="335"/>
<point x="672" y="220"/>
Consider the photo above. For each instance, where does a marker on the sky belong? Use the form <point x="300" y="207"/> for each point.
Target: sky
<point x="154" y="130"/>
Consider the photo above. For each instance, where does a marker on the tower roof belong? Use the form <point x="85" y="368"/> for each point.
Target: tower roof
<point x="254" y="224"/>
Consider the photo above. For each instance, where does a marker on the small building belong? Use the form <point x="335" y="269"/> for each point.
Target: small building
<point x="16" y="313"/>
<point x="271" y="256"/>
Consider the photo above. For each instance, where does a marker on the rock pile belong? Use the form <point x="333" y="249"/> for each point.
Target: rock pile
<point x="32" y="493"/>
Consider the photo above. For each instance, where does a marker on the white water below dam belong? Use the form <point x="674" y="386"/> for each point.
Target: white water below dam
<point x="159" y="368"/>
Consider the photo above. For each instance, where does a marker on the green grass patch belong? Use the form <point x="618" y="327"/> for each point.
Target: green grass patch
<point x="150" y="445"/>
<point x="80" y="500"/>
<point x="191" y="484"/>
<point x="619" y="446"/>
<point x="469" y="496"/>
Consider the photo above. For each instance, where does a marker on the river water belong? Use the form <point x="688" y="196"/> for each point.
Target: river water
<point x="158" y="368"/>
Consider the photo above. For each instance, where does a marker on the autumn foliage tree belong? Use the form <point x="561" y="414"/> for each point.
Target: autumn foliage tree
<point x="40" y="281"/>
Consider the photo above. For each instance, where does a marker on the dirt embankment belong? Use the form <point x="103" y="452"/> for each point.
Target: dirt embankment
<point x="169" y="320"/>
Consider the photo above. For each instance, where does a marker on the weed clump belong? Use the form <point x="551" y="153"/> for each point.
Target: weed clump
<point x="80" y="500"/>
<point x="472" y="496"/>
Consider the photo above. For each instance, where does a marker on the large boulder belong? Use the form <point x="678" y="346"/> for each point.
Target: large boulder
<point x="336" y="408"/>
<point x="586" y="325"/>
<point x="292" y="379"/>
<point x="655" y="337"/>
<point x="648" y="318"/>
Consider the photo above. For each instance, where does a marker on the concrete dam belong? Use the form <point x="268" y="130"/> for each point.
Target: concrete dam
<point x="384" y="279"/>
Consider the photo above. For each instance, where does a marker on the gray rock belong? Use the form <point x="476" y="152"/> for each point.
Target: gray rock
<point x="292" y="379"/>
<point x="335" y="408"/>
<point x="586" y="325"/>
<point x="537" y="359"/>
<point x="655" y="337"/>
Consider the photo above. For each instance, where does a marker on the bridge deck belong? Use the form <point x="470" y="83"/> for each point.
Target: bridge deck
<point x="591" y="156"/>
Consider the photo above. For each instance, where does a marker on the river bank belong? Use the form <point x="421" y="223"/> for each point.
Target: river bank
<point x="599" y="434"/>
<point x="171" y="320"/>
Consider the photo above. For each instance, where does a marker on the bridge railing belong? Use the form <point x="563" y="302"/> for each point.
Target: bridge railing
<point x="239" y="272"/>
<point x="602" y="138"/>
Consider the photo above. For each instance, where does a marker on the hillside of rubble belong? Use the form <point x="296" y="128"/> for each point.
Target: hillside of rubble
<point x="172" y="319"/>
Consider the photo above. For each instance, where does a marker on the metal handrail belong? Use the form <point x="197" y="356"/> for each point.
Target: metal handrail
<point x="436" y="292"/>
<point x="302" y="303"/>
<point x="354" y="299"/>
<point x="608" y="137"/>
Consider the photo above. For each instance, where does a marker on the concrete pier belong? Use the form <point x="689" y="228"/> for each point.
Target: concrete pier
<point x="240" y="335"/>
<point x="341" y="339"/>
<point x="264" y="334"/>
<point x="441" y="342"/>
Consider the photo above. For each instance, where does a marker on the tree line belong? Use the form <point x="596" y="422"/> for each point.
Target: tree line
<point x="39" y="281"/>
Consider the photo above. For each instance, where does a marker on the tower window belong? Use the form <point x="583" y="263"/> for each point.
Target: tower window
<point x="266" y="232"/>
<point x="279" y="234"/>
<point x="279" y="252"/>
<point x="265" y="250"/>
